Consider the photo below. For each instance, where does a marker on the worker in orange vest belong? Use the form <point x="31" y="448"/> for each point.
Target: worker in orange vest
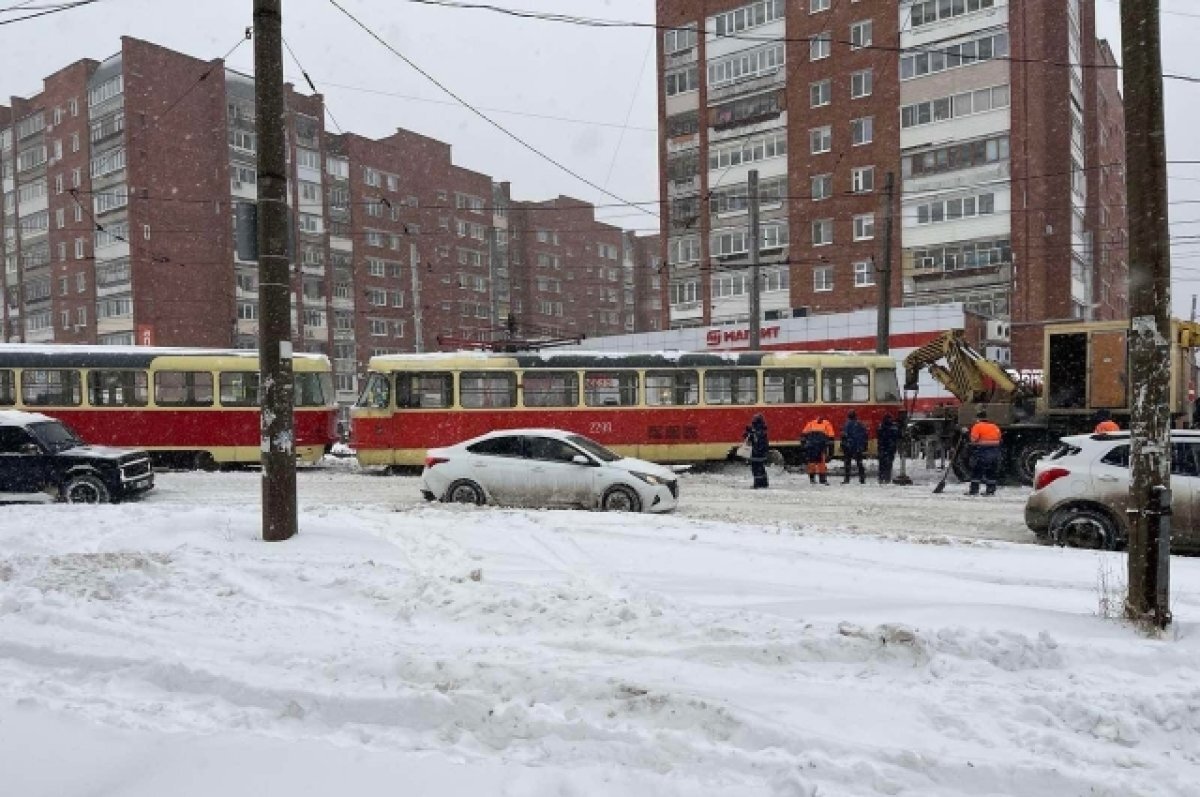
<point x="986" y="452"/>
<point x="817" y="435"/>
<point x="1106" y="424"/>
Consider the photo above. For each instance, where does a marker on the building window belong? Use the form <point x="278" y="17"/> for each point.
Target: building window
<point x="105" y="91"/>
<point x="308" y="158"/>
<point x="930" y="11"/>
<point x="743" y="66"/>
<point x="822" y="232"/>
<point x="822" y="186"/>
<point x="820" y="139"/>
<point x="679" y="40"/>
<point x="684" y="80"/>
<point x="864" y="227"/>
<point x="823" y="279"/>
<point x="862" y="131"/>
<point x="957" y="208"/>
<point x="860" y="35"/>
<point x="862" y="179"/>
<point x="958" y="156"/>
<point x="964" y="104"/>
<point x="820" y="46"/>
<point x="749" y="16"/>
<point x="817" y="5"/>
<point x="861" y="84"/>
<point x="79" y="249"/>
<point x="820" y="93"/>
<point x="864" y="274"/>
<point x="965" y="53"/>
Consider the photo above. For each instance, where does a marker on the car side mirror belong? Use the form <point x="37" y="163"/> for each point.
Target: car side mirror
<point x="580" y="459"/>
<point x="30" y="449"/>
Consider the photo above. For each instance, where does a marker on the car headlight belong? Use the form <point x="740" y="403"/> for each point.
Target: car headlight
<point x="650" y="478"/>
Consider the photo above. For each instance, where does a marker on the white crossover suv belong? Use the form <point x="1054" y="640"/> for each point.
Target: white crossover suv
<point x="546" y="468"/>
<point x="1081" y="491"/>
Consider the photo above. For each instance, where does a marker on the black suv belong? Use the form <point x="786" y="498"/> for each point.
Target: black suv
<point x="40" y="454"/>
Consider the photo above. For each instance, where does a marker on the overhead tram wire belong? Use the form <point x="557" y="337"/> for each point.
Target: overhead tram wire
<point x="311" y="85"/>
<point x="47" y="12"/>
<point x="483" y="115"/>
<point x="594" y="22"/>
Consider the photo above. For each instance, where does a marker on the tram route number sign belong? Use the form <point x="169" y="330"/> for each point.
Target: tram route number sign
<point x="721" y="337"/>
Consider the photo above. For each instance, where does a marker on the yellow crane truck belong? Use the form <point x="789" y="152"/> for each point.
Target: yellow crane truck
<point x="1085" y="369"/>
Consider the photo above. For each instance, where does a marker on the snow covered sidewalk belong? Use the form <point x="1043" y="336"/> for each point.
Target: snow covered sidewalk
<point x="150" y="649"/>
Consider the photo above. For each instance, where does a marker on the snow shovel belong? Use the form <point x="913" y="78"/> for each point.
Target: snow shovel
<point x="949" y="466"/>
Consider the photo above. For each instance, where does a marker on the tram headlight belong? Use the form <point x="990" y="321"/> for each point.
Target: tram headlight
<point x="650" y="478"/>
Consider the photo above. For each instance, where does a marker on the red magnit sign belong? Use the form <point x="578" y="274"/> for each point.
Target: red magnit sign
<point x="724" y="337"/>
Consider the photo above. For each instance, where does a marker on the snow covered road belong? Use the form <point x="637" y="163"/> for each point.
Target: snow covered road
<point x="836" y="641"/>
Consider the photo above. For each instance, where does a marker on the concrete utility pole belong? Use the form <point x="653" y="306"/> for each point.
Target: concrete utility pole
<point x="883" y="332"/>
<point x="274" y="279"/>
<point x="1148" y="600"/>
<point x="755" y="269"/>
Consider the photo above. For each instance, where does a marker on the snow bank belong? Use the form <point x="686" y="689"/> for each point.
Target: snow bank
<point x="153" y="648"/>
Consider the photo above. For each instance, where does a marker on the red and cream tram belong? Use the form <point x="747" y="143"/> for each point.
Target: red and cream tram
<point x="666" y="407"/>
<point x="187" y="407"/>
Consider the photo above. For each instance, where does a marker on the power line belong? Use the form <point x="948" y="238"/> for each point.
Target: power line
<point x="507" y="111"/>
<point x="205" y="75"/>
<point x="595" y="22"/>
<point x="311" y="85"/>
<point x="48" y="11"/>
<point x="370" y="32"/>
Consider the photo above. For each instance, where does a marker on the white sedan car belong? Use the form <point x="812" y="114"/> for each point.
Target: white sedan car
<point x="546" y="468"/>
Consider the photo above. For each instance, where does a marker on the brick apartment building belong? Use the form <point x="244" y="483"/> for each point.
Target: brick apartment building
<point x="119" y="182"/>
<point x="1000" y="124"/>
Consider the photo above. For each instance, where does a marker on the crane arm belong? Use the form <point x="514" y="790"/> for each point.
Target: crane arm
<point x="966" y="373"/>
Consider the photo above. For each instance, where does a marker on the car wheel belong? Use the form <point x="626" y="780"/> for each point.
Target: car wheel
<point x="464" y="492"/>
<point x="85" y="489"/>
<point x="204" y="461"/>
<point x="1084" y="527"/>
<point x="621" y="499"/>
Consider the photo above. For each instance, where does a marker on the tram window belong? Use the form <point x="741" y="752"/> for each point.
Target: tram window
<point x="311" y="389"/>
<point x="550" y="388"/>
<point x="377" y="393"/>
<point x="730" y="387"/>
<point x="610" y="388"/>
<point x="486" y="389"/>
<point x="43" y="387"/>
<point x="8" y="389"/>
<point x="846" y="385"/>
<point x="240" y="388"/>
<point x="790" y="386"/>
<point x="672" y="388"/>
<point x="887" y="386"/>
<point x="183" y="389"/>
<point x="426" y="391"/>
<point x="118" y="388"/>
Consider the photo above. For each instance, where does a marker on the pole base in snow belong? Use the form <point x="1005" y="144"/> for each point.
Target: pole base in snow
<point x="903" y="480"/>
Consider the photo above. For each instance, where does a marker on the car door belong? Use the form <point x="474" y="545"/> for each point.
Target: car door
<point x="555" y="478"/>
<point x="20" y="470"/>
<point x="499" y="466"/>
<point x="1185" y="488"/>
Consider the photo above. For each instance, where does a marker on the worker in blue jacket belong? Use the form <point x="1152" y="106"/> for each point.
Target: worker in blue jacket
<point x="854" y="446"/>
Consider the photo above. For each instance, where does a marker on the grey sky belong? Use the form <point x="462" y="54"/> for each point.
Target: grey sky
<point x="600" y="76"/>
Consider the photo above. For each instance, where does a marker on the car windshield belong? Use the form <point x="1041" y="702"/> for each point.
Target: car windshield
<point x="55" y="436"/>
<point x="592" y="447"/>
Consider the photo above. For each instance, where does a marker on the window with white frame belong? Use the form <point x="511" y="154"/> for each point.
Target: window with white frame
<point x="106" y="90"/>
<point x="820" y="139"/>
<point x="820" y="46"/>
<point x="371" y="177"/>
<point x="964" y="104"/>
<point x="747" y="17"/>
<point x="862" y="131"/>
<point x="860" y="35"/>
<point x="862" y="179"/>
<point x="966" y="207"/>
<point x="861" y="83"/>
<point x="822" y="186"/>
<point x="243" y="140"/>
<point x="817" y="5"/>
<point x="378" y="327"/>
<point x="864" y="273"/>
<point x="338" y="167"/>
<point x="108" y="162"/>
<point x="742" y="66"/>
<point x="678" y="40"/>
<point x="683" y="250"/>
<point x="930" y="11"/>
<point x="820" y="93"/>
<point x="864" y="227"/>
<point x="748" y="150"/>
<point x="822" y="232"/>
<point x="823" y="279"/>
<point x="681" y="81"/>
<point x="111" y="199"/>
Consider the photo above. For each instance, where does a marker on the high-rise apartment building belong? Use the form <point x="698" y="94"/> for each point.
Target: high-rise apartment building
<point x="997" y="126"/>
<point x="120" y="182"/>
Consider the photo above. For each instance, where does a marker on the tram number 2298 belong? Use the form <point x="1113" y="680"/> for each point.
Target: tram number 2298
<point x="600" y="427"/>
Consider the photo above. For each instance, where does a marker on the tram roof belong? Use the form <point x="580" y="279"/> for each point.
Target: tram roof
<point x="32" y="355"/>
<point x="467" y="360"/>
